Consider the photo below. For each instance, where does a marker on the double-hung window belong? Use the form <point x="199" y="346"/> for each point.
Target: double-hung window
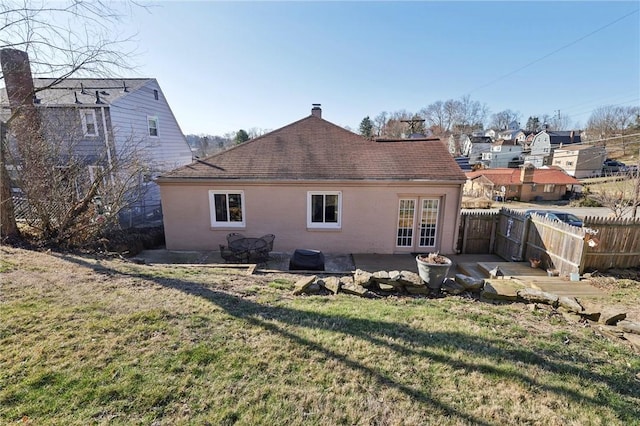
<point x="227" y="209"/>
<point x="153" y="126"/>
<point x="89" y="123"/>
<point x="324" y="209"/>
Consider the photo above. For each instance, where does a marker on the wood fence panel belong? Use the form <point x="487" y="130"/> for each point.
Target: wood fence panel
<point x="617" y="243"/>
<point x="558" y="245"/>
<point x="477" y="230"/>
<point x="510" y="235"/>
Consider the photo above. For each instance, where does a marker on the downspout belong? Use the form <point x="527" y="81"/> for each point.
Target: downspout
<point x="106" y="141"/>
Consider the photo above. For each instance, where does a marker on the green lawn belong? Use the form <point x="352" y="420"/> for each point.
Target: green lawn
<point x="108" y="342"/>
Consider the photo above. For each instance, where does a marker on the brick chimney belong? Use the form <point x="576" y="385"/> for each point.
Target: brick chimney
<point x="526" y="173"/>
<point x="17" y="77"/>
<point x="316" y="111"/>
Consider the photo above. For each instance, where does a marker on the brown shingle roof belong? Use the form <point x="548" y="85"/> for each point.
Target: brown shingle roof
<point x="315" y="149"/>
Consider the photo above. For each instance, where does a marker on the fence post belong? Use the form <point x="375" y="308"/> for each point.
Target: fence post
<point x="465" y="232"/>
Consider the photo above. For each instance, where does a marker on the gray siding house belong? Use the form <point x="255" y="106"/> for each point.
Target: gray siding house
<point x="102" y="119"/>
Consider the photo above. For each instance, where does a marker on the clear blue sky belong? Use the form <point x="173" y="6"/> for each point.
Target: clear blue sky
<point x="230" y="65"/>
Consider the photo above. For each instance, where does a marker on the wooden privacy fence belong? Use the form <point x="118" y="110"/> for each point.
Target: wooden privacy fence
<point x="601" y="244"/>
<point x="616" y="243"/>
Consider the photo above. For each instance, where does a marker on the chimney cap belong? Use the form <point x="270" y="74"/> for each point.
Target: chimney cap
<point x="316" y="111"/>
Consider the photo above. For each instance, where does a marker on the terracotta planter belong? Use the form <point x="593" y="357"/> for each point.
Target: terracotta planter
<point x="433" y="274"/>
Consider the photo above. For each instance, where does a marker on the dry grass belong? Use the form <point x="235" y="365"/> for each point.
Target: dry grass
<point x="88" y="341"/>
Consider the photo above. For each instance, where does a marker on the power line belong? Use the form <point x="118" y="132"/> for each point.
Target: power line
<point x="555" y="51"/>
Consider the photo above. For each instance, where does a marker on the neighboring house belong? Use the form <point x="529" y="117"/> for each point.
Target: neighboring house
<point x="524" y="184"/>
<point x="104" y="118"/>
<point x="491" y="133"/>
<point x="545" y="142"/>
<point x="503" y="153"/>
<point x="316" y="185"/>
<point x="518" y="135"/>
<point x="475" y="146"/>
<point x="580" y="161"/>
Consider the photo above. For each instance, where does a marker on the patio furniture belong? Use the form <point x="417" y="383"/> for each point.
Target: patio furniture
<point x="249" y="249"/>
<point x="233" y="256"/>
<point x="269" y="240"/>
<point x="234" y="236"/>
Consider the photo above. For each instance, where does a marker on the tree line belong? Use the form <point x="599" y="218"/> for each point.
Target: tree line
<point x="465" y="115"/>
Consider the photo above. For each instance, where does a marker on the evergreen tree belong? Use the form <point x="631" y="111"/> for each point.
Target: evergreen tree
<point x="241" y="136"/>
<point x="366" y="127"/>
<point x="533" y="124"/>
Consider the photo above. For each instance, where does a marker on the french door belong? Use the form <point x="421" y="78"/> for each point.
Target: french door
<point x="418" y="223"/>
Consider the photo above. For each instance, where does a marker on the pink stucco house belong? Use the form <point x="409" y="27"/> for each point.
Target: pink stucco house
<point x="315" y="185"/>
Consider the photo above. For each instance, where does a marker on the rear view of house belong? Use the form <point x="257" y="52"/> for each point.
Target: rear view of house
<point x="318" y="186"/>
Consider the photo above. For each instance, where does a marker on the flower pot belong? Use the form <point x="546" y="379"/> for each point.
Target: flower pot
<point x="433" y="274"/>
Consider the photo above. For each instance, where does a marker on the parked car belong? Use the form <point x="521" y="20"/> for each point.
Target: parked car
<point x="612" y="166"/>
<point x="565" y="217"/>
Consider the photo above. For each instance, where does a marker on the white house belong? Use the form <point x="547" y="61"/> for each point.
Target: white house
<point x="503" y="153"/>
<point x="545" y="142"/>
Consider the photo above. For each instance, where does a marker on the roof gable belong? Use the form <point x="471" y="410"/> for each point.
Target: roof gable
<point x="315" y="149"/>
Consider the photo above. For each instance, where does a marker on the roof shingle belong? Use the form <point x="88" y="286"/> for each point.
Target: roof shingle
<point x="315" y="149"/>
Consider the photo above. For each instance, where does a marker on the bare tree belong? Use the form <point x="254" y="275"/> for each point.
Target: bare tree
<point x="471" y="115"/>
<point x="63" y="39"/>
<point x="379" y="123"/>
<point x="610" y="120"/>
<point x="621" y="196"/>
<point x="502" y="119"/>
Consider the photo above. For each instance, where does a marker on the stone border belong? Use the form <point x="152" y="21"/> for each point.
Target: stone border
<point x="611" y="323"/>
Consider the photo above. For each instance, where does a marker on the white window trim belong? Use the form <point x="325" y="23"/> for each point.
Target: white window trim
<point x="212" y="209"/>
<point x="317" y="225"/>
<point x="83" y="117"/>
<point x="154" y="118"/>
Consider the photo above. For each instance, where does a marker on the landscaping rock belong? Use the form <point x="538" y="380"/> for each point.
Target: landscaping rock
<point x="354" y="289"/>
<point x="394" y="275"/>
<point x="363" y="278"/>
<point x="634" y="340"/>
<point x="630" y="327"/>
<point x="417" y="289"/>
<point x="570" y="303"/>
<point x="347" y="280"/>
<point x="533" y="295"/>
<point x="303" y="284"/>
<point x="609" y="316"/>
<point x="381" y="277"/>
<point x="469" y="283"/>
<point x="501" y="289"/>
<point x="389" y="288"/>
<point x="411" y="278"/>
<point x="332" y="284"/>
<point x="450" y="286"/>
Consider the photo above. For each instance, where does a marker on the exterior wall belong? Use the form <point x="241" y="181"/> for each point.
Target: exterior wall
<point x="501" y="155"/>
<point x="369" y="215"/>
<point x="131" y="133"/>
<point x="527" y="192"/>
<point x="62" y="127"/>
<point x="581" y="163"/>
<point x="129" y="117"/>
<point x="541" y="144"/>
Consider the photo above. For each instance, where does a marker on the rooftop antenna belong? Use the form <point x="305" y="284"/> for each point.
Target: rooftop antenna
<point x="413" y="124"/>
